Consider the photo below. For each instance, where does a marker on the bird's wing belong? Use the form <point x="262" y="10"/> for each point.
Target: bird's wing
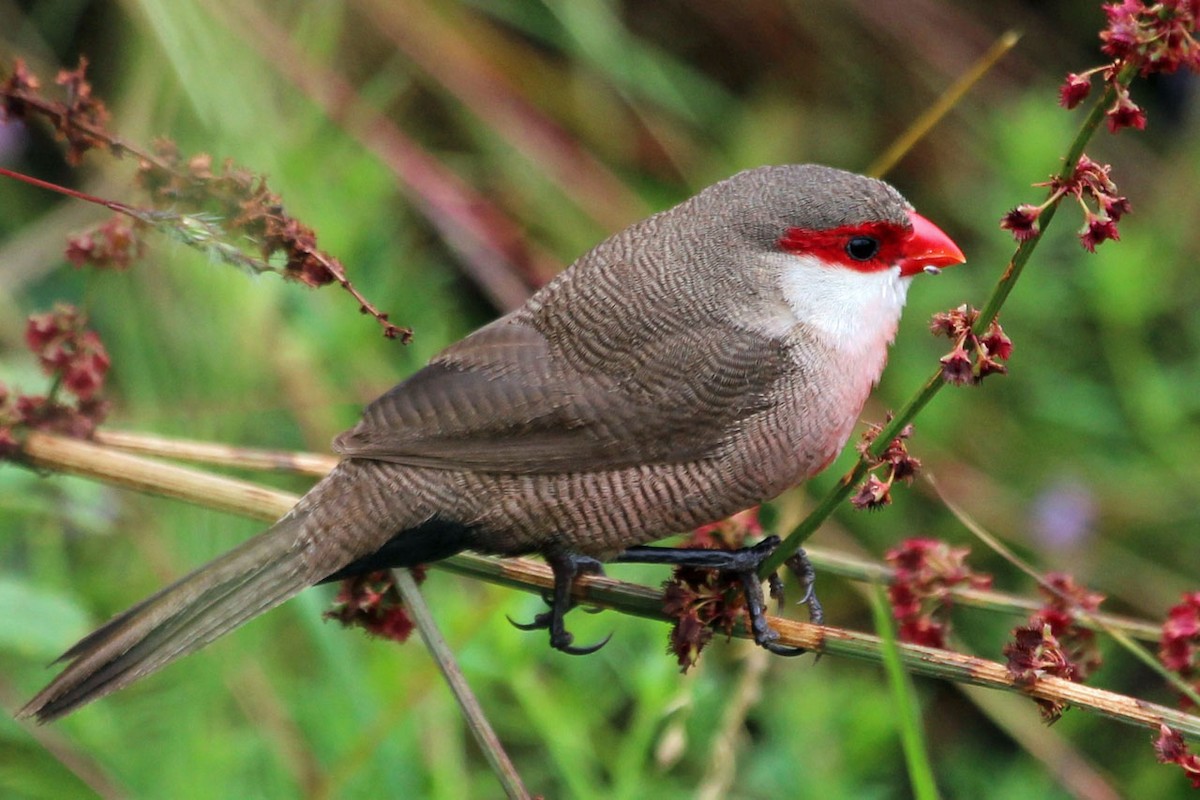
<point x="502" y="400"/>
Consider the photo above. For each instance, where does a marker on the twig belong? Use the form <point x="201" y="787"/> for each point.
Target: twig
<point x="730" y="733"/>
<point x="905" y="708"/>
<point x="831" y="562"/>
<point x="52" y="452"/>
<point x="942" y="106"/>
<point x="61" y="454"/>
<point x="215" y="453"/>
<point x="1121" y="637"/>
<point x="477" y="721"/>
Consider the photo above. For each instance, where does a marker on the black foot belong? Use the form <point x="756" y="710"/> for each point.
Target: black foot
<point x="566" y="569"/>
<point x="744" y="564"/>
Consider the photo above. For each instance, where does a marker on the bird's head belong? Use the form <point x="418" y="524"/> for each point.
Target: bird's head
<point x="838" y="249"/>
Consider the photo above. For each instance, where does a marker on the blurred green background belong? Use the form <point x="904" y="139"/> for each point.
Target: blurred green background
<point x="453" y="154"/>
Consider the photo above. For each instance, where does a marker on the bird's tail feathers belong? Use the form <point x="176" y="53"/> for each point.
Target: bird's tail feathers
<point x="185" y="616"/>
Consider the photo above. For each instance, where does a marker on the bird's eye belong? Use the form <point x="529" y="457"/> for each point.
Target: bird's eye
<point x="862" y="248"/>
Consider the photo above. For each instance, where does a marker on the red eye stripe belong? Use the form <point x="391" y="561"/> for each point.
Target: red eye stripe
<point x="830" y="245"/>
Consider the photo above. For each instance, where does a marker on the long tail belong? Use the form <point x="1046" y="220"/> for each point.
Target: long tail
<point x="185" y="616"/>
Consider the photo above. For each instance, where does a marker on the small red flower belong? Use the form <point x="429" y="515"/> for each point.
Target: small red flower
<point x="1125" y="113"/>
<point x="974" y="357"/>
<point x="1022" y="221"/>
<point x="689" y="633"/>
<point x="373" y="603"/>
<point x="1096" y="230"/>
<point x="1179" y="645"/>
<point x="1123" y="33"/>
<point x="957" y="367"/>
<point x="1172" y="749"/>
<point x="1035" y="653"/>
<point x="1053" y="642"/>
<point x="84" y="375"/>
<point x="42" y="331"/>
<point x="874" y="493"/>
<point x="67" y="350"/>
<point x="702" y="601"/>
<point x="996" y="342"/>
<point x="1115" y="207"/>
<point x="1155" y="38"/>
<point x="115" y="244"/>
<point x="1074" y="90"/>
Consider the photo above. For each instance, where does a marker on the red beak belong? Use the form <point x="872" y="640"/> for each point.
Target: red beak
<point x="927" y="248"/>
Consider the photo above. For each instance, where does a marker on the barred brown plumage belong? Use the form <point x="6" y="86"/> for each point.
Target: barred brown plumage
<point x="683" y="370"/>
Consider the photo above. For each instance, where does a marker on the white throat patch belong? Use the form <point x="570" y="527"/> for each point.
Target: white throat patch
<point x="855" y="312"/>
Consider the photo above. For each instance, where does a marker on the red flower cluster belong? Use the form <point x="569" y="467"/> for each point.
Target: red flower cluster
<point x="243" y="201"/>
<point x="115" y="244"/>
<point x="876" y="492"/>
<point x="1172" y="749"/>
<point x="67" y="350"/>
<point x="1156" y="37"/>
<point x="1148" y="38"/>
<point x="1052" y="642"/>
<point x="1090" y="181"/>
<point x="1034" y="653"/>
<point x="925" y="570"/>
<point x="372" y="602"/>
<point x="700" y="601"/>
<point x="703" y="600"/>
<point x="1179" y="647"/>
<point x="77" y="361"/>
<point x="188" y="197"/>
<point x="80" y="121"/>
<point x="974" y="357"/>
<point x="1064" y="600"/>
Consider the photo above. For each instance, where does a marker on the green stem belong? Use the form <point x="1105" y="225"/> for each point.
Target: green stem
<point x="991" y="308"/>
<point x="905" y="706"/>
<point x="477" y="722"/>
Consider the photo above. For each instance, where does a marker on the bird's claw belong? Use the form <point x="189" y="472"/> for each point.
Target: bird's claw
<point x="565" y="646"/>
<point x="540" y="622"/>
<point x="744" y="564"/>
<point x="782" y="649"/>
<point x="803" y="569"/>
<point x="566" y="568"/>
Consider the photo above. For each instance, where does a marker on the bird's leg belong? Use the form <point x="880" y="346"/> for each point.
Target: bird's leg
<point x="566" y="567"/>
<point x="744" y="564"/>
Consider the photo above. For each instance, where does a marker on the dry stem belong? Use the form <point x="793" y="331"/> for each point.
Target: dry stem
<point x="57" y="453"/>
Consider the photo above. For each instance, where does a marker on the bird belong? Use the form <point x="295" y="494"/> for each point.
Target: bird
<point x="695" y="364"/>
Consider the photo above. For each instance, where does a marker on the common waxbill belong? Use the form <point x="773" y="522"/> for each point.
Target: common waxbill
<point x="691" y="366"/>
